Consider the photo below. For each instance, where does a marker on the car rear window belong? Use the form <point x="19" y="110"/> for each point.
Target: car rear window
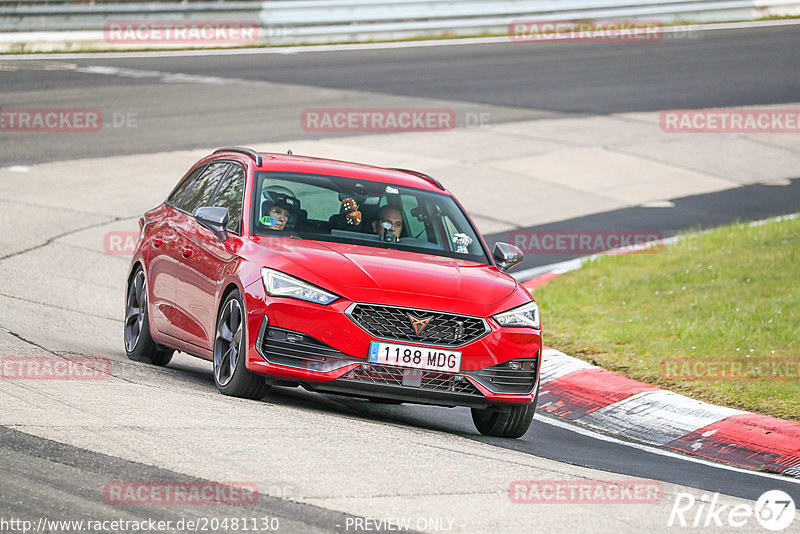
<point x="204" y="187"/>
<point x="179" y="193"/>
<point x="231" y="195"/>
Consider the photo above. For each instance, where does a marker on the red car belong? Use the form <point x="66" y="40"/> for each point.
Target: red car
<point x="338" y="277"/>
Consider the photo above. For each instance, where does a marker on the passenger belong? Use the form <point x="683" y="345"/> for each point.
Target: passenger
<point x="391" y="220"/>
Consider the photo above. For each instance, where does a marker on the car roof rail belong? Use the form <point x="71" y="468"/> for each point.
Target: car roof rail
<point x="422" y="175"/>
<point x="241" y="150"/>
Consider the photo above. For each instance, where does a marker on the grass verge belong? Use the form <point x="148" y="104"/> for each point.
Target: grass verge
<point x="715" y="317"/>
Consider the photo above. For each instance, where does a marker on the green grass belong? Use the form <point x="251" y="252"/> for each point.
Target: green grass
<point x="729" y="294"/>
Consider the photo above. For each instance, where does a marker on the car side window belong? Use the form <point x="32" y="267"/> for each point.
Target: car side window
<point x="177" y="196"/>
<point x="204" y="187"/>
<point x="319" y="203"/>
<point x="231" y="196"/>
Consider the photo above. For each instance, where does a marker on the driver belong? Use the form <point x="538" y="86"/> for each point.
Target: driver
<point x="279" y="209"/>
<point x="281" y="216"/>
<point x="388" y="217"/>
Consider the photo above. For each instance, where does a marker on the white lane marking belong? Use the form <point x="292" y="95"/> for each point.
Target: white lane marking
<point x="658" y="204"/>
<point x="560" y="268"/>
<point x="378" y="46"/>
<point x="164" y="77"/>
<point x="780" y="218"/>
<point x="17" y="168"/>
<point x="550" y="420"/>
<point x="35" y="64"/>
<point x="161" y="76"/>
<point x="780" y="182"/>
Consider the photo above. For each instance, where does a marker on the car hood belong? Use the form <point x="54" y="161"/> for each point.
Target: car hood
<point x="371" y="274"/>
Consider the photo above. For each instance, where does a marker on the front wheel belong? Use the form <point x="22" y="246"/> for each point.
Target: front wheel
<point x="230" y="373"/>
<point x="504" y="422"/>
<point x="139" y="346"/>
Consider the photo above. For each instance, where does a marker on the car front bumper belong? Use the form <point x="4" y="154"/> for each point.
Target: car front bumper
<point x="321" y="348"/>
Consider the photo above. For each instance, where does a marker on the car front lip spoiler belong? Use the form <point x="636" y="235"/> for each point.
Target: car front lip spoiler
<point x="399" y="393"/>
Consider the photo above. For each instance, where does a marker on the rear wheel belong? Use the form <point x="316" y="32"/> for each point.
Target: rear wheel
<point x="230" y="373"/>
<point x="139" y="346"/>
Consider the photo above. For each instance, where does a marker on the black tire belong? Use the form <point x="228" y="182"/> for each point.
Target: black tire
<point x="230" y="341"/>
<point x="139" y="346"/>
<point x="506" y="421"/>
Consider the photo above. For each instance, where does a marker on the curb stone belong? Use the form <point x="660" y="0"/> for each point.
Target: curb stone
<point x="579" y="392"/>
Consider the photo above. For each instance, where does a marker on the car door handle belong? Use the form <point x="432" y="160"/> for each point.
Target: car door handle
<point x="158" y="241"/>
<point x="187" y="251"/>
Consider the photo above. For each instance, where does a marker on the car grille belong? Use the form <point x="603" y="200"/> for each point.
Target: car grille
<point x="444" y="329"/>
<point x="294" y="349"/>
<point x="501" y="379"/>
<point x="393" y="376"/>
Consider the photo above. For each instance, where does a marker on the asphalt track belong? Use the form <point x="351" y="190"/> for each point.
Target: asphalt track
<point x="514" y="81"/>
<point x="43" y="478"/>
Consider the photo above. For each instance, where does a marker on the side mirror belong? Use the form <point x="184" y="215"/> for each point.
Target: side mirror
<point x="507" y="255"/>
<point x="215" y="219"/>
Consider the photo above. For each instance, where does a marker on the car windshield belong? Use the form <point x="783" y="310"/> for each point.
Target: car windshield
<point x="346" y="210"/>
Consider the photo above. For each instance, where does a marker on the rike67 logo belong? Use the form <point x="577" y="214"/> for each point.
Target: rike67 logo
<point x="774" y="510"/>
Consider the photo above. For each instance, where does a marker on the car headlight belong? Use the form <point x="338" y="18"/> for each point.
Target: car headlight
<point x="278" y="284"/>
<point x="525" y="315"/>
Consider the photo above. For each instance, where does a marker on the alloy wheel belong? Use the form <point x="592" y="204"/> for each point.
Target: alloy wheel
<point x="228" y="343"/>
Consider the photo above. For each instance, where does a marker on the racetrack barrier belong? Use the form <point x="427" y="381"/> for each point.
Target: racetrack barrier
<point x="48" y="25"/>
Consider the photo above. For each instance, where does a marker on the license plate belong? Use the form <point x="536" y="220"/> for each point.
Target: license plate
<point x="448" y="361"/>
